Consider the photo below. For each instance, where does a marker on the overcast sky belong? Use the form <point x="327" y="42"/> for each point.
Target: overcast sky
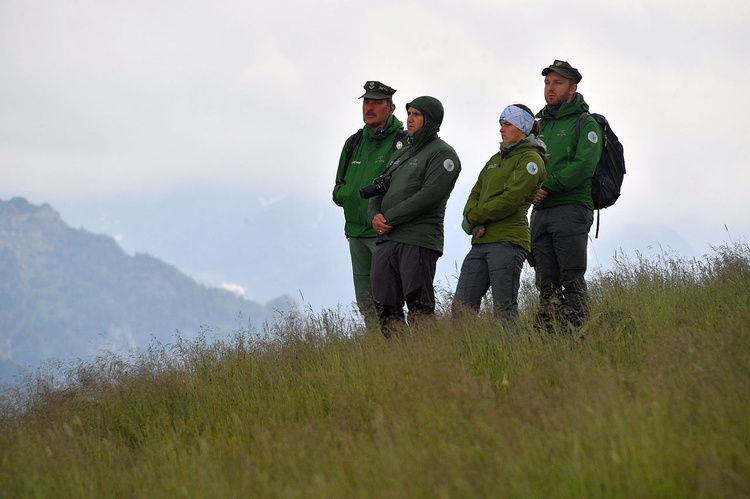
<point x="142" y="98"/>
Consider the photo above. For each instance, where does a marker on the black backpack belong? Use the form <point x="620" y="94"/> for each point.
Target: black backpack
<point x="610" y="171"/>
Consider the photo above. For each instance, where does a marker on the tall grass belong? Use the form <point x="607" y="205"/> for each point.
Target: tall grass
<point x="653" y="401"/>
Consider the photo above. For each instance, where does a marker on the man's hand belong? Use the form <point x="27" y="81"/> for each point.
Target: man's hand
<point x="378" y="223"/>
<point x="541" y="195"/>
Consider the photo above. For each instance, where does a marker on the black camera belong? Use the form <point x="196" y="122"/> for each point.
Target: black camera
<point x="378" y="187"/>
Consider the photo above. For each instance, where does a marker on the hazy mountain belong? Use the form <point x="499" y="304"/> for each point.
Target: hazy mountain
<point x="270" y="246"/>
<point x="286" y="245"/>
<point x="67" y="292"/>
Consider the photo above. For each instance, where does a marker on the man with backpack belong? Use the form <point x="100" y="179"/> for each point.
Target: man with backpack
<point x="363" y="158"/>
<point x="563" y="207"/>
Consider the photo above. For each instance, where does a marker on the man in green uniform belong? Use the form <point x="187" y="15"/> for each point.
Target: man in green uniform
<point x="363" y="157"/>
<point x="563" y="208"/>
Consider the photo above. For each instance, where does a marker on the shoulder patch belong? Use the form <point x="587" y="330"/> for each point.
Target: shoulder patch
<point x="449" y="165"/>
<point x="399" y="145"/>
<point x="532" y="168"/>
<point x="593" y="137"/>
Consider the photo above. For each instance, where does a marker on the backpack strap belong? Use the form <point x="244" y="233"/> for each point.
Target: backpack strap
<point x="579" y="125"/>
<point x="598" y="214"/>
<point x="349" y="151"/>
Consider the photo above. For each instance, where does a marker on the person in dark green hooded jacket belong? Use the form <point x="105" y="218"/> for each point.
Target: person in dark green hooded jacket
<point x="409" y="218"/>
<point x="363" y="157"/>
<point x="563" y="208"/>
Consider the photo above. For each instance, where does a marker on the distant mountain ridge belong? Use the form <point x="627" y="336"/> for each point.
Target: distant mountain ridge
<point x="66" y="292"/>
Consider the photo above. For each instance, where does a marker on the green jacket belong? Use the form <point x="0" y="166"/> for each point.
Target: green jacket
<point x="501" y="198"/>
<point x="424" y="175"/>
<point x="368" y="160"/>
<point x="572" y="165"/>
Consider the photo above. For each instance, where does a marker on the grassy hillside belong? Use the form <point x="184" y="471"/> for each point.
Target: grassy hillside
<point x="653" y="401"/>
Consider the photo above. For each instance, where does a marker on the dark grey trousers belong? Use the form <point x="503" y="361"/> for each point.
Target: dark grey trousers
<point x="559" y="237"/>
<point x="403" y="273"/>
<point x="496" y="265"/>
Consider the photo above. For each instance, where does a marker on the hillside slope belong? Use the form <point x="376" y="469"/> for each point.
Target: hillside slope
<point x="67" y="292"/>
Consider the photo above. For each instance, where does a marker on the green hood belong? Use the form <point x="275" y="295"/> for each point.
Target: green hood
<point x="433" y="113"/>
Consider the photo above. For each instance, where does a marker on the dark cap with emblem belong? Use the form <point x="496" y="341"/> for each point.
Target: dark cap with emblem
<point x="564" y="69"/>
<point x="377" y="90"/>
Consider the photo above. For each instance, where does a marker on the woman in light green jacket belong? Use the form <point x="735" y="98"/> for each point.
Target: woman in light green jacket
<point x="495" y="216"/>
